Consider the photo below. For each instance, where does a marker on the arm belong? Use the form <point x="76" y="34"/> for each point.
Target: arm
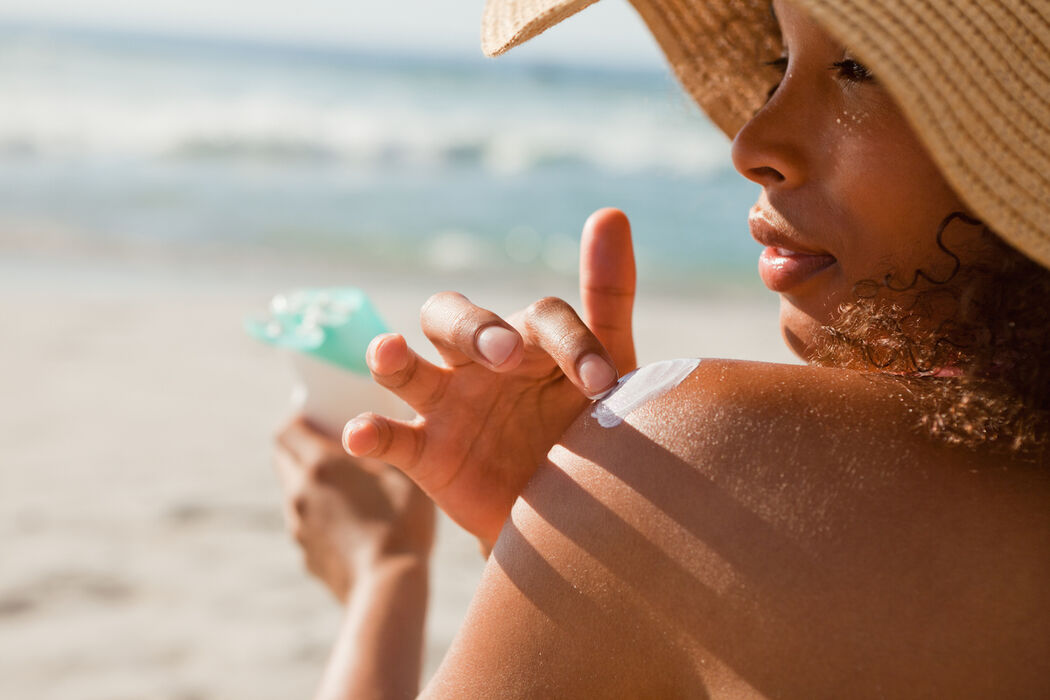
<point x="771" y="530"/>
<point x="343" y="510"/>
<point x="379" y="650"/>
<point x="366" y="532"/>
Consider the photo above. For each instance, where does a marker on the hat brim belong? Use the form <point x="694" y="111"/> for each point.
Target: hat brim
<point x="717" y="49"/>
<point x="508" y="23"/>
<point x="974" y="90"/>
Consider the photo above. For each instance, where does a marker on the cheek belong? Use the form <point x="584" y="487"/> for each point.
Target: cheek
<point x="893" y="201"/>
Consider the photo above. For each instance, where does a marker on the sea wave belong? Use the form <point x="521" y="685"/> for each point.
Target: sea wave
<point x="407" y="163"/>
<point x="76" y="101"/>
<point x="367" y="135"/>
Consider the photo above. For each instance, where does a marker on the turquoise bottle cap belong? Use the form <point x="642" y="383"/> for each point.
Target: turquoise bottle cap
<point x="334" y="325"/>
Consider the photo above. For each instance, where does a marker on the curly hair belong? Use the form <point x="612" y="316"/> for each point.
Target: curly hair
<point x="984" y="372"/>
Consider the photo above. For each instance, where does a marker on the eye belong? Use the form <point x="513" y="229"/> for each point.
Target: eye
<point x="781" y="65"/>
<point x="852" y="71"/>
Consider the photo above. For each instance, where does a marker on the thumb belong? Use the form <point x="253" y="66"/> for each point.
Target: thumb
<point x="607" y="283"/>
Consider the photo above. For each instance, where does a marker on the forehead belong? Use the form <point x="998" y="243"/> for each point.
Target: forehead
<point x="797" y="29"/>
<point x="783" y="10"/>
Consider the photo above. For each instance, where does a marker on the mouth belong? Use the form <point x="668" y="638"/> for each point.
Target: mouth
<point x="782" y="270"/>
<point x="784" y="263"/>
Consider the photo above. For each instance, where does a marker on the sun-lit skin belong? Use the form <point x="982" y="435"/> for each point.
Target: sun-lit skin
<point x="761" y="530"/>
<point x="843" y="174"/>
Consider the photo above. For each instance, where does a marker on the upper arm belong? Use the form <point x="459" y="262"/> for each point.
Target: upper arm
<point x="760" y="529"/>
<point x="553" y="616"/>
<point x="565" y="605"/>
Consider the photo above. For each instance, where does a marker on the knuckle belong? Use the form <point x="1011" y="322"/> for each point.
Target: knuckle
<point x="385" y="438"/>
<point x="419" y="441"/>
<point x="298" y="532"/>
<point x="396" y="380"/>
<point x="574" y="340"/>
<point x="437" y="300"/>
<point x="464" y="326"/>
<point x="545" y="307"/>
<point x="428" y="305"/>
<point x="370" y="417"/>
<point x="278" y="436"/>
<point x="284" y="435"/>
<point x="317" y="471"/>
<point x="414" y="458"/>
<point x="557" y="327"/>
<point x="300" y="506"/>
<point x="326" y="469"/>
<point x="438" y="392"/>
<point x="610" y="290"/>
<point x="440" y="389"/>
<point x="609" y="326"/>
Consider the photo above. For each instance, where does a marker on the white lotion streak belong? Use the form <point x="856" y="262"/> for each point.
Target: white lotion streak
<point x="639" y="387"/>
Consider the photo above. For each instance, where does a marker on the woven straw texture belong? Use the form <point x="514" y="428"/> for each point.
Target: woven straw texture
<point x="971" y="76"/>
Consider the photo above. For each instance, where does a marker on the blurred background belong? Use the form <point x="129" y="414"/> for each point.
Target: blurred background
<point x="166" y="167"/>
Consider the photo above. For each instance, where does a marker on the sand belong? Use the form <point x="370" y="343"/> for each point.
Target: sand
<point x="143" y="551"/>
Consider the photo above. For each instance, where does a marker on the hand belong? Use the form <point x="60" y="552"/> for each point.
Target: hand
<point x="349" y="515"/>
<point x="510" y="388"/>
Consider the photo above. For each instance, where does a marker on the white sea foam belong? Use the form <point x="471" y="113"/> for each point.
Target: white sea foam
<point x="451" y="166"/>
<point x="62" y="100"/>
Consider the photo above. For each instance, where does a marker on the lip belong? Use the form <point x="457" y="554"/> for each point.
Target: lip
<point x="781" y="273"/>
<point x="784" y="263"/>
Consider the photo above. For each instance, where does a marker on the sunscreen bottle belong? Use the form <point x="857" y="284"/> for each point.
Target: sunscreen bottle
<point x="326" y="333"/>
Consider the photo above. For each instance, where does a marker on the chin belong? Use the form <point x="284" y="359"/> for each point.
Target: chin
<point x="800" y="330"/>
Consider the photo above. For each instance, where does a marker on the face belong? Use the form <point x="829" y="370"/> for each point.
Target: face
<point x="849" y="194"/>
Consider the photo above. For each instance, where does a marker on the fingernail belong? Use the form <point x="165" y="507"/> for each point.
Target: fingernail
<point x="381" y="354"/>
<point x="597" y="375"/>
<point x="357" y="439"/>
<point x="496" y="343"/>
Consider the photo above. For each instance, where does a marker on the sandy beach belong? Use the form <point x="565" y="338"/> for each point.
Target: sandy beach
<point x="155" y="190"/>
<point x="144" y="553"/>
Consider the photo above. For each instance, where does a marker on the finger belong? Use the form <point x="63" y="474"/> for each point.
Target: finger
<point x="554" y="326"/>
<point x="305" y="444"/>
<point x="463" y="332"/>
<point x="607" y="283"/>
<point x="288" y="469"/>
<point x="400" y="369"/>
<point x="292" y="479"/>
<point x="393" y="441"/>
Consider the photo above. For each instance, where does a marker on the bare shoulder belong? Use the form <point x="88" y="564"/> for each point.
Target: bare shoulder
<point x="776" y="530"/>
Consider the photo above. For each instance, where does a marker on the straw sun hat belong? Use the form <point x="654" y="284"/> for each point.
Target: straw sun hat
<point x="972" y="77"/>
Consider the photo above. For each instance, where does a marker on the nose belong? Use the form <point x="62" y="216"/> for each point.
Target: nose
<point x="770" y="148"/>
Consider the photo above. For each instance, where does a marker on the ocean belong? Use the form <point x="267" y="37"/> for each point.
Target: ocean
<point x="397" y="162"/>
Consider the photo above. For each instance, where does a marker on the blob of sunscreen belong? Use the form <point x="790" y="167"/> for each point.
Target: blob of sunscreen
<point x="639" y="387"/>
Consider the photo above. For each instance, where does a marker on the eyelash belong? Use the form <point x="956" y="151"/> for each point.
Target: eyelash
<point x="848" y="69"/>
<point x="780" y="64"/>
<point x="853" y="71"/>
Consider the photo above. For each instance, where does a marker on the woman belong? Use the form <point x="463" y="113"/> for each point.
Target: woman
<point x="872" y="524"/>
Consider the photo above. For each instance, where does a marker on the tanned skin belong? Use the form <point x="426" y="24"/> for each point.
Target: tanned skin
<point x="760" y="530"/>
